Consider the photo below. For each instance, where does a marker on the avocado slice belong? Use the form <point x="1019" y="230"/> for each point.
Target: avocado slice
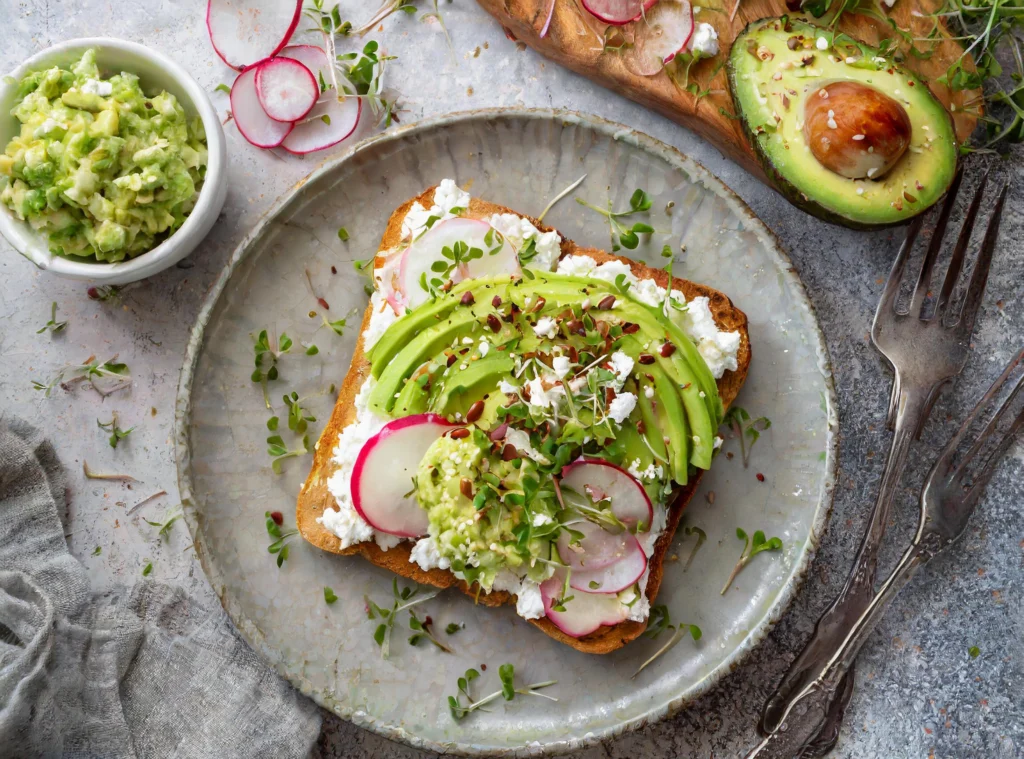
<point x="845" y="133"/>
<point x="455" y="391"/>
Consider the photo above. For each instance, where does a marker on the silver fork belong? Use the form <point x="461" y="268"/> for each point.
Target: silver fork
<point x="949" y="497"/>
<point x="926" y="354"/>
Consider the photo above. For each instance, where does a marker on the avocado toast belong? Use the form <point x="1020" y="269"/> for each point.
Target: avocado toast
<point x="530" y="436"/>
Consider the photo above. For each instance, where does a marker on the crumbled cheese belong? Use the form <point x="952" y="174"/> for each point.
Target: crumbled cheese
<point x="539" y="520"/>
<point x="96" y="87"/>
<point x="547" y="327"/>
<point x="449" y="195"/>
<point x="529" y="603"/>
<point x="718" y="442"/>
<point x="519" y="231"/>
<point x="426" y="555"/>
<point x="704" y="41"/>
<point x="622" y="365"/>
<point x="560" y="365"/>
<point x="507" y="387"/>
<point x="653" y="472"/>
<point x="622" y="406"/>
<point x="520" y="440"/>
<point x="822" y="43"/>
<point x="539" y="397"/>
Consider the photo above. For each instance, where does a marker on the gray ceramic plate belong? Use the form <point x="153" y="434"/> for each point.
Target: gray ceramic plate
<point x="520" y="159"/>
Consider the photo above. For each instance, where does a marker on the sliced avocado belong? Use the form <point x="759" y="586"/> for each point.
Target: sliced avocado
<point x="84" y="101"/>
<point x="845" y="133"/>
<point x="414" y="397"/>
<point x="652" y="427"/>
<point x="454" y="392"/>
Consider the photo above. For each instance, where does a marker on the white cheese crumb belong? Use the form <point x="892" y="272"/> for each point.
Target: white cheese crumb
<point x="621" y="407"/>
<point x="704" y="41"/>
<point x="822" y="43"/>
<point x="546" y="327"/>
<point x="560" y="365"/>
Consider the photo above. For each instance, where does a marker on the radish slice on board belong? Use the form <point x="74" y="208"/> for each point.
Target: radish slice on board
<point x="585" y="613"/>
<point x="312" y="57"/>
<point x="618" y="11"/>
<point x="287" y="89"/>
<point x="426" y="250"/>
<point x="246" y="31"/>
<point x="596" y="550"/>
<point x="660" y="37"/>
<point x="601" y="479"/>
<point x="615" y="577"/>
<point x="250" y="118"/>
<point x="330" y="122"/>
<point x="384" y="468"/>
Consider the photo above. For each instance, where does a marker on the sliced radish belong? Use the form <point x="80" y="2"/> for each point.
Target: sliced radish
<point x="388" y="281"/>
<point x="601" y="478"/>
<point x="312" y="57"/>
<point x="585" y="612"/>
<point x="615" y="577"/>
<point x="427" y="250"/>
<point x="618" y="12"/>
<point x="504" y="261"/>
<point x="250" y="118"/>
<point x="246" y="31"/>
<point x="596" y="550"/>
<point x="286" y="88"/>
<point x="384" y="469"/>
<point x="659" y="37"/>
<point x="330" y="122"/>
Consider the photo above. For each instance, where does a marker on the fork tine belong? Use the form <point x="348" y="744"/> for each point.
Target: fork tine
<point x="996" y="417"/>
<point x="956" y="262"/>
<point x="892" y="288"/>
<point x="924" y="281"/>
<point x="989" y="468"/>
<point x="933" y="397"/>
<point x="979" y="277"/>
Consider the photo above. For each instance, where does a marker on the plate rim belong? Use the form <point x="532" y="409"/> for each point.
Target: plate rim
<point x="615" y="131"/>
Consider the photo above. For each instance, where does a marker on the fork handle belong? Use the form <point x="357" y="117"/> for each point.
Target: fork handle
<point x="834" y="625"/>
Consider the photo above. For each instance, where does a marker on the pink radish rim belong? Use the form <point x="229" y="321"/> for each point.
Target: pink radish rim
<point x="262" y="65"/>
<point x="355" y="125"/>
<point x="386" y="431"/>
<point x="648" y="4"/>
<point x="589" y="574"/>
<point x="582" y="460"/>
<point x="239" y="126"/>
<point x="278" y="49"/>
<point x="546" y="597"/>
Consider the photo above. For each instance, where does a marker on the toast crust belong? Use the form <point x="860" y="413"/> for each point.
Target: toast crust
<point x="315" y="496"/>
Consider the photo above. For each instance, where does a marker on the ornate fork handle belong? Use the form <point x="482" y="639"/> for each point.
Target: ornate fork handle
<point x="910" y="405"/>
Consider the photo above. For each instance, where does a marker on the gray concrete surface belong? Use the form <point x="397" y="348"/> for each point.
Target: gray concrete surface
<point x="919" y="694"/>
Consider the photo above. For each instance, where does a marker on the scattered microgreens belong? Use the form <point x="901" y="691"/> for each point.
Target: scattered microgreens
<point x="658" y="622"/>
<point x="454" y="627"/>
<point x="297" y="415"/>
<point x="222" y="88"/>
<point x="97" y="550"/>
<point x="701" y="537"/>
<point x="268" y="350"/>
<point x="272" y="423"/>
<point x="456" y="256"/>
<point x="311" y="349"/>
<point x="327" y="24"/>
<point x="105" y="378"/>
<point x="751" y="548"/>
<point x="148" y="569"/>
<point x="53" y="326"/>
<point x="506" y="673"/>
<point x="974" y="652"/>
<point x="403" y="599"/>
<point x="628" y="236"/>
<point x="559" y="196"/>
<point x="280" y="545"/>
<point x="747" y="430"/>
<point x="337" y="326"/>
<point x="422" y="630"/>
<point x="91" y="475"/>
<point x="166" y="525"/>
<point x="387" y="8"/>
<point x="116" y="433"/>
<point x="343" y="234"/>
<point x="366" y="73"/>
<point x="329" y="595"/>
<point x="280" y="452"/>
<point x="105" y="293"/>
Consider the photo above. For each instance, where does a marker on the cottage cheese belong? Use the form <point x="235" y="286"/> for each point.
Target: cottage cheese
<point x="704" y="41"/>
<point x="546" y="327"/>
<point x="560" y="366"/>
<point x="519" y="231"/>
<point x="96" y="87"/>
<point x="621" y="407"/>
<point x="426" y="555"/>
<point x="716" y="347"/>
<point x="529" y="603"/>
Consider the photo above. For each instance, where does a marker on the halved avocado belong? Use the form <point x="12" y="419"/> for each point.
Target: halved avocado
<point x="847" y="134"/>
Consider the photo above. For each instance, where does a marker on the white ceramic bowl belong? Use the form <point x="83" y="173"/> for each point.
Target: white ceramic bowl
<point x="156" y="72"/>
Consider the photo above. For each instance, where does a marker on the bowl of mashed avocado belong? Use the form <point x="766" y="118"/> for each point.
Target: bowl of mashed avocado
<point x="113" y="163"/>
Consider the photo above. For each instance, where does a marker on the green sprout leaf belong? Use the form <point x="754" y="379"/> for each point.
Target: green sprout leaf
<point x="329" y="596"/>
<point x="53" y="326"/>
<point x="116" y="433"/>
<point x="747" y="430"/>
<point x="751" y="548"/>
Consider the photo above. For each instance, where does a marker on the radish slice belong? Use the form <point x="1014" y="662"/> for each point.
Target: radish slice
<point x="585" y="613"/>
<point x="250" y="118"/>
<point x="615" y="577"/>
<point x="596" y="550"/>
<point x="504" y="261"/>
<point x="388" y="281"/>
<point x="330" y="122"/>
<point x="384" y="468"/>
<point x="660" y="37"/>
<point x="618" y="12"/>
<point x="287" y="89"/>
<point x="312" y="57"/>
<point x="427" y="250"/>
<point x="246" y="31"/>
<point x="598" y="477"/>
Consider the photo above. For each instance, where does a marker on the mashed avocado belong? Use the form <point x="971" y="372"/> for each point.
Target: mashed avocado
<point x="480" y="517"/>
<point x="105" y="171"/>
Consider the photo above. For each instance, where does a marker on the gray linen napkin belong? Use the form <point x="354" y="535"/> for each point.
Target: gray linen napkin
<point x="143" y="672"/>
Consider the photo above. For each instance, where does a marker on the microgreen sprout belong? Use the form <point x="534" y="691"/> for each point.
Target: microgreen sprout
<point x="166" y="525"/>
<point x="105" y="377"/>
<point x="658" y="622"/>
<point x="623" y="236"/>
<point x="148" y="569"/>
<point x="751" y="548"/>
<point x="747" y="430"/>
<point x="222" y="88"/>
<point x="343" y="234"/>
<point x="105" y="293"/>
<point x="337" y="326"/>
<point x="454" y="627"/>
<point x="280" y="544"/>
<point x="91" y="475"/>
<point x="116" y="433"/>
<point x="268" y="350"/>
<point x="53" y="326"/>
<point x="366" y="73"/>
<point x="329" y="596"/>
<point x="403" y="599"/>
<point x="559" y="196"/>
<point x="297" y="415"/>
<point x="277" y="448"/>
<point x="506" y="673"/>
<point x="97" y="550"/>
<point x="422" y="629"/>
<point x="701" y="538"/>
<point x="328" y="24"/>
<point x="974" y="652"/>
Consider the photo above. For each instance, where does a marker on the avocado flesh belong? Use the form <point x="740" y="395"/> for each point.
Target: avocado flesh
<point x="455" y="391"/>
<point x="412" y="399"/>
<point x="918" y="179"/>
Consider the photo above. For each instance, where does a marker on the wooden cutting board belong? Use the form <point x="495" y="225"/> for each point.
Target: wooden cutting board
<point x="573" y="41"/>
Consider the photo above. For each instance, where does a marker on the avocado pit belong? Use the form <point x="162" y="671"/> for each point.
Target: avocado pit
<point x="855" y="130"/>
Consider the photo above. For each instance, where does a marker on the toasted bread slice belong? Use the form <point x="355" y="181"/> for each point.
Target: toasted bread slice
<point x="315" y="497"/>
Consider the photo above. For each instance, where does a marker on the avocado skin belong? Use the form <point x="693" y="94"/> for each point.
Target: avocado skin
<point x="782" y="185"/>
